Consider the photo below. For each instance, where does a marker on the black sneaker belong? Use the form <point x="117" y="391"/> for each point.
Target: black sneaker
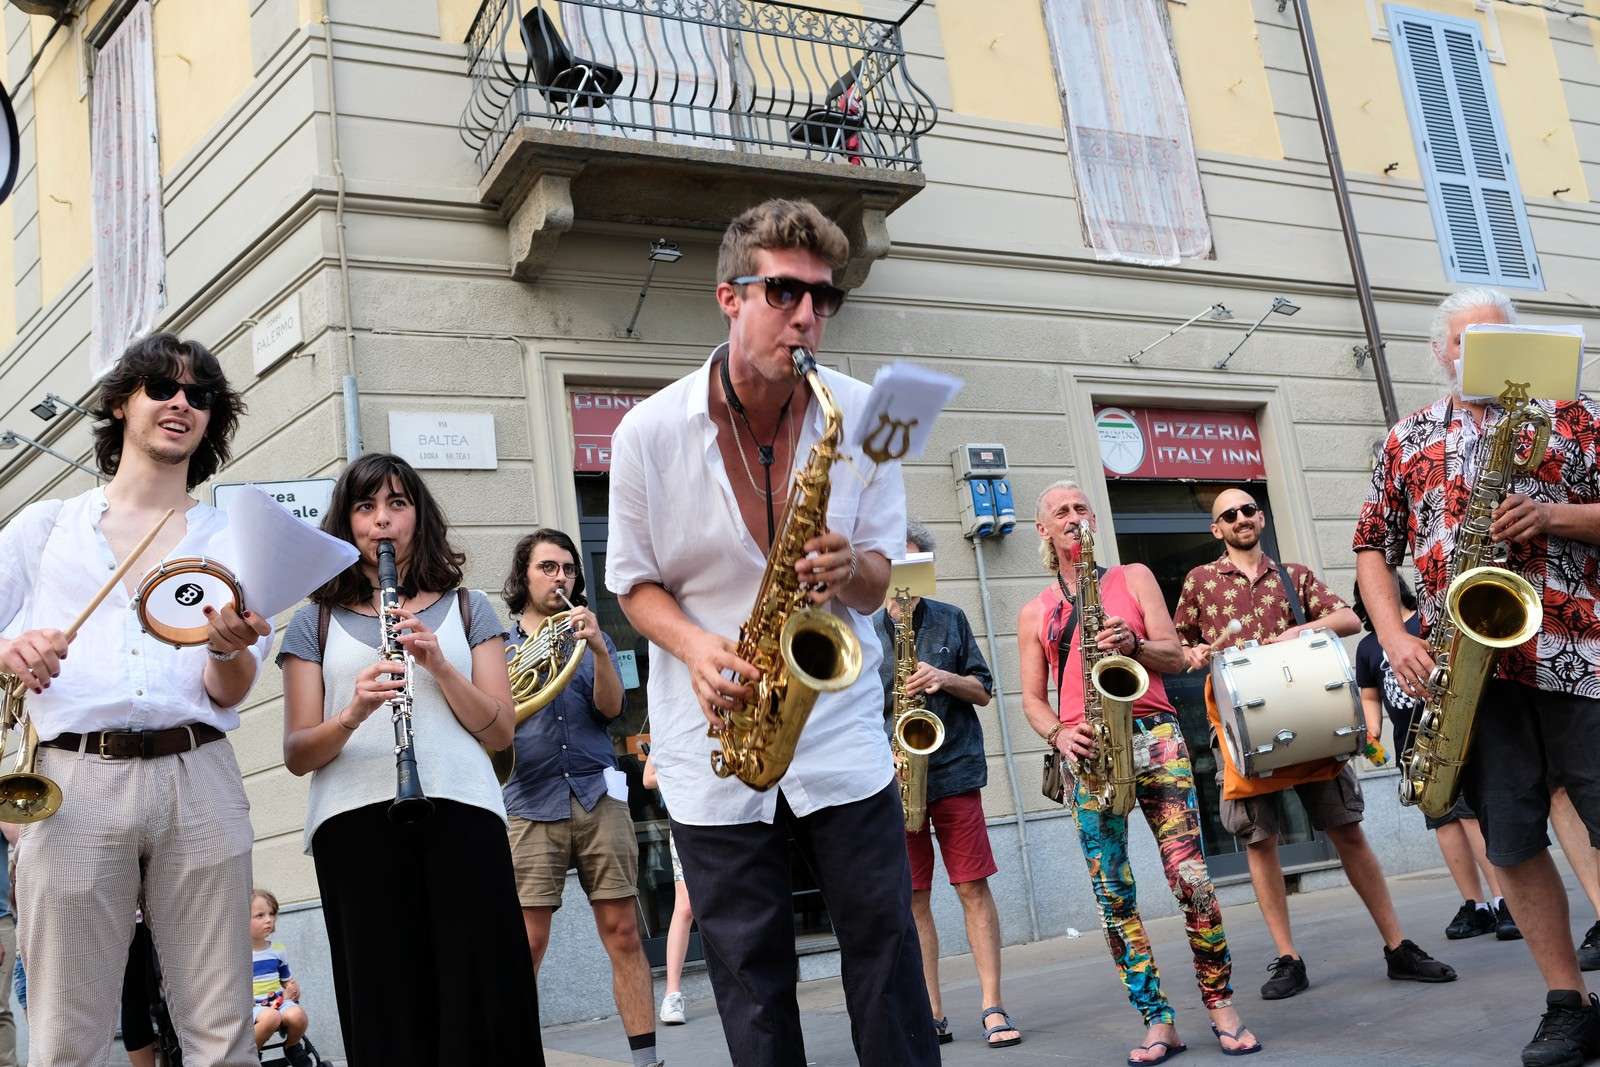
<point x="1408" y="963"/>
<point x="1589" y="951"/>
<point x="1568" y="1034"/>
<point x="1288" y="977"/>
<point x="1505" y="927"/>
<point x="1471" y="921"/>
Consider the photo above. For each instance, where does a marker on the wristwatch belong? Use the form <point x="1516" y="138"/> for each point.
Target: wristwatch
<point x="221" y="657"/>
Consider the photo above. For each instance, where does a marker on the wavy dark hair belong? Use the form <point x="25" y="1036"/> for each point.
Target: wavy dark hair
<point x="515" y="592"/>
<point x="434" y="564"/>
<point x="166" y="355"/>
<point x="1408" y="600"/>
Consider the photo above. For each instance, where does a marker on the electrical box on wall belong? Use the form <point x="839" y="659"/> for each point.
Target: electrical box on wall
<point x="987" y="507"/>
<point x="980" y="461"/>
<point x="977" y="507"/>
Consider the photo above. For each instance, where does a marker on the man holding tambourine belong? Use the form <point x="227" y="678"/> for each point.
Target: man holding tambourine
<point x="1290" y="613"/>
<point x="132" y="721"/>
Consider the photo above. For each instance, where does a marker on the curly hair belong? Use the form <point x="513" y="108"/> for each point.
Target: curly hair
<point x="515" y="593"/>
<point x="165" y="355"/>
<point x="779" y="224"/>
<point x="434" y="564"/>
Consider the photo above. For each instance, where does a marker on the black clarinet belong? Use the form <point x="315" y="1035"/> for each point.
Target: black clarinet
<point x="410" y="805"/>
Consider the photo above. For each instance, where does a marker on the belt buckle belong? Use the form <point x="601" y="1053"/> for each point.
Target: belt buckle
<point x="111" y="756"/>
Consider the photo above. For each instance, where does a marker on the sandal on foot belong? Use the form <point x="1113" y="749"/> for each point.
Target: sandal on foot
<point x="1172" y="1050"/>
<point x="990" y="1031"/>
<point x="941" y="1030"/>
<point x="1233" y="1035"/>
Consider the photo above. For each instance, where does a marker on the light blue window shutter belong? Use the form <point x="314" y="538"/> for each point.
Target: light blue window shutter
<point x="1478" y="212"/>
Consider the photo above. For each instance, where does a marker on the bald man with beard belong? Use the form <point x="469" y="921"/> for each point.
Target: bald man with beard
<point x="1248" y="586"/>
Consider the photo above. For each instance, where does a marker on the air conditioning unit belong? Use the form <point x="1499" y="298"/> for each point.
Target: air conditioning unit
<point x="57" y="9"/>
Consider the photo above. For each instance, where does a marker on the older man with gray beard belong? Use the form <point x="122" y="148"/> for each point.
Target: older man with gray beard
<point x="1538" y="725"/>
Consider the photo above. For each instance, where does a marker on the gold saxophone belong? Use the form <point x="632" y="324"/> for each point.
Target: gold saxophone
<point x="1486" y="609"/>
<point x="25" y="794"/>
<point x="1111" y="684"/>
<point x="918" y="733"/>
<point x="800" y="651"/>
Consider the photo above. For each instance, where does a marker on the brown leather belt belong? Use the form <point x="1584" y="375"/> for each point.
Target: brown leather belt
<point x="137" y="744"/>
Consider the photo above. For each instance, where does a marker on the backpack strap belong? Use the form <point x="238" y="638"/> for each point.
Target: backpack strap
<point x="324" y="617"/>
<point x="464" y="609"/>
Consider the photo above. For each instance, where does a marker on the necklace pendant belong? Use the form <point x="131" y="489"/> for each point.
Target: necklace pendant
<point x="764" y="454"/>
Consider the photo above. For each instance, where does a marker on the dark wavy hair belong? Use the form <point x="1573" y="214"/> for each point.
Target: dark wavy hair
<point x="166" y="355"/>
<point x="1408" y="600"/>
<point x="434" y="564"/>
<point x="515" y="592"/>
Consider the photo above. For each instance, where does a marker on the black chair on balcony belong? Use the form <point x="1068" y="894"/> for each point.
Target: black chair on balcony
<point x="564" y="80"/>
<point x="839" y="125"/>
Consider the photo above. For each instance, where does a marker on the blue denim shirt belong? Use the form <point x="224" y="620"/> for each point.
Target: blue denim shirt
<point x="563" y="750"/>
<point x="945" y="641"/>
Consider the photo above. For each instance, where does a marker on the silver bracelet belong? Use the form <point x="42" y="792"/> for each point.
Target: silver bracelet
<point x="221" y="657"/>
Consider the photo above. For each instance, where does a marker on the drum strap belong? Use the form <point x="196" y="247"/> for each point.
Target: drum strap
<point x="1293" y="595"/>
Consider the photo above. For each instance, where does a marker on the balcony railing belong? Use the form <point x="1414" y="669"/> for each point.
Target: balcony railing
<point x="753" y="76"/>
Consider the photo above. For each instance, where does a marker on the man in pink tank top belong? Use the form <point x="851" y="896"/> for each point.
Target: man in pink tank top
<point x="1245" y="584"/>
<point x="1135" y="624"/>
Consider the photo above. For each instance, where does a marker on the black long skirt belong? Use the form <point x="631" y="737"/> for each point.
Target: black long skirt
<point x="430" y="956"/>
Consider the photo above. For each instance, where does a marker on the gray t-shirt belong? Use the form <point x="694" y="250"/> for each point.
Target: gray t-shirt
<point x="300" y="639"/>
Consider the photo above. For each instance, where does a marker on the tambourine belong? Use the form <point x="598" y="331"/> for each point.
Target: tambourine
<point x="172" y="599"/>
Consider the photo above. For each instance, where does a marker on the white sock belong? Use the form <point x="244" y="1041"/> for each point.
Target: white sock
<point x="1494" y="905"/>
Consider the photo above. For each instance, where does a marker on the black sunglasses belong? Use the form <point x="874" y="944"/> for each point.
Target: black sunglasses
<point x="161" y="390"/>
<point x="1249" y="511"/>
<point x="785" y="293"/>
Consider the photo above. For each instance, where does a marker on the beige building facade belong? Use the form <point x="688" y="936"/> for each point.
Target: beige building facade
<point x="312" y="165"/>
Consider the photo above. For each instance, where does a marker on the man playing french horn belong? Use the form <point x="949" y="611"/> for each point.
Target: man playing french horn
<point x="1537" y="726"/>
<point x="1132" y="623"/>
<point x="710" y="477"/>
<point x="558" y="812"/>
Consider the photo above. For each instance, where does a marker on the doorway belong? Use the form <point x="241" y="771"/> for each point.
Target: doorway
<point x="1166" y="525"/>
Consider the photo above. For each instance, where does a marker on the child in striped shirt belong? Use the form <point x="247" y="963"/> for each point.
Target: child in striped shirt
<point x="275" y="992"/>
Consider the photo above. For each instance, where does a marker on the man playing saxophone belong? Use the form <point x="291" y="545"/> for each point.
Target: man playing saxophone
<point x="1247" y="586"/>
<point x="952" y="680"/>
<point x="700" y="477"/>
<point x="1538" y="723"/>
<point x="1135" y="624"/>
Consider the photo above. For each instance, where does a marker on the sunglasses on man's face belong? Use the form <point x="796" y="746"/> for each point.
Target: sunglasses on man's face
<point x="1249" y="511"/>
<point x="550" y="568"/>
<point x="161" y="390"/>
<point x="785" y="293"/>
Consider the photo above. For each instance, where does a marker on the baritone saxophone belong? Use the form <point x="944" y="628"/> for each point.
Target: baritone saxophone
<point x="800" y="651"/>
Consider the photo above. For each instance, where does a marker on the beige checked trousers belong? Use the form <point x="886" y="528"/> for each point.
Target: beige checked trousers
<point x="174" y="832"/>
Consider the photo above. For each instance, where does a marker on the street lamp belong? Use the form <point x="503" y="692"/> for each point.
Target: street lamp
<point x="1280" y="306"/>
<point x="9" y="439"/>
<point x="661" y="251"/>
<point x="46" y="409"/>
<point x="1214" y="311"/>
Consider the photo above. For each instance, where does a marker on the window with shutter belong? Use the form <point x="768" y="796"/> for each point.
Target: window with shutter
<point x="1478" y="212"/>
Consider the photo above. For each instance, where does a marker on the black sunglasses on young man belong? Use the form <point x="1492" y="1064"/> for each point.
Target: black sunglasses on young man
<point x="1249" y="511"/>
<point x="785" y="293"/>
<point x="161" y="390"/>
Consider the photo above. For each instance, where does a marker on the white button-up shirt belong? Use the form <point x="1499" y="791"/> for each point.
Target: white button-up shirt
<point x="674" y="522"/>
<point x="53" y="560"/>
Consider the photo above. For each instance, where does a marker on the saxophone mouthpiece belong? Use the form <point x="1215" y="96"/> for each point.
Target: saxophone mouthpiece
<point x="804" y="361"/>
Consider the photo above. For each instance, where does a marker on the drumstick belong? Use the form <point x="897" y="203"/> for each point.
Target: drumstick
<point x="1234" y="626"/>
<point x="105" y="591"/>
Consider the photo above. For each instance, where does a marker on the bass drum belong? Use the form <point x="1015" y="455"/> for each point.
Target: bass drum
<point x="1288" y="703"/>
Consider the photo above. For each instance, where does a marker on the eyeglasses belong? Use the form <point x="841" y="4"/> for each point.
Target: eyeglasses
<point x="550" y="568"/>
<point x="785" y="293"/>
<point x="1249" y="511"/>
<point x="161" y="390"/>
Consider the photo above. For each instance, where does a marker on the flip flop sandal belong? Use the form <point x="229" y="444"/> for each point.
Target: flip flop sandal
<point x="941" y="1030"/>
<point x="1172" y="1050"/>
<point x="1233" y="1035"/>
<point x="1000" y="1029"/>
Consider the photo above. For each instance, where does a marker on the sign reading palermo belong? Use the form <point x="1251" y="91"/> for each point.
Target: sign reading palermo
<point x="444" y="440"/>
<point x="1222" y="446"/>
<point x="307" y="499"/>
<point x="276" y="334"/>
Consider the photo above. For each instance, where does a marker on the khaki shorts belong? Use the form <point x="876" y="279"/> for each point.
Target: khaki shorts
<point x="599" y="843"/>
<point x="1331" y="803"/>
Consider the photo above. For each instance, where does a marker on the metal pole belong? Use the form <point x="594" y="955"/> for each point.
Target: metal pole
<point x="10" y="437"/>
<point x="1341" y="196"/>
<point x="1215" y="309"/>
<point x="1005" y="743"/>
<point x="353" y="446"/>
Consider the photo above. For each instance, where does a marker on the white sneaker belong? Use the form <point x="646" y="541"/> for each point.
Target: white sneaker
<point x="672" y="1009"/>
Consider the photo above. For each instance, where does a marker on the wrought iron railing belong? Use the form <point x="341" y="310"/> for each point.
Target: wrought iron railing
<point x="742" y="75"/>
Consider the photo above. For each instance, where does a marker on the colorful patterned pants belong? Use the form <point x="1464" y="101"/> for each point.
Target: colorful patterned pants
<point x="1165" y="790"/>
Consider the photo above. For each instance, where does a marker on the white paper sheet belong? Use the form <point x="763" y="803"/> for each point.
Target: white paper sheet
<point x="905" y="401"/>
<point x="277" y="558"/>
<point x="616" y="784"/>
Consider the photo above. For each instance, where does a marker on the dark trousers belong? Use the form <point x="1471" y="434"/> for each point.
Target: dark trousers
<point x="430" y="958"/>
<point x="738" y="878"/>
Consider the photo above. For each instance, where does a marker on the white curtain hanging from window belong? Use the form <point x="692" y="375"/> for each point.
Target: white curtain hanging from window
<point x="1128" y="132"/>
<point x="125" y="168"/>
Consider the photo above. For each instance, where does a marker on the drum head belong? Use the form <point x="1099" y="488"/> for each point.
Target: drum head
<point x="173" y="598"/>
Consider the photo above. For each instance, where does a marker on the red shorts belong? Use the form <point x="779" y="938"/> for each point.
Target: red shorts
<point x="963" y="842"/>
